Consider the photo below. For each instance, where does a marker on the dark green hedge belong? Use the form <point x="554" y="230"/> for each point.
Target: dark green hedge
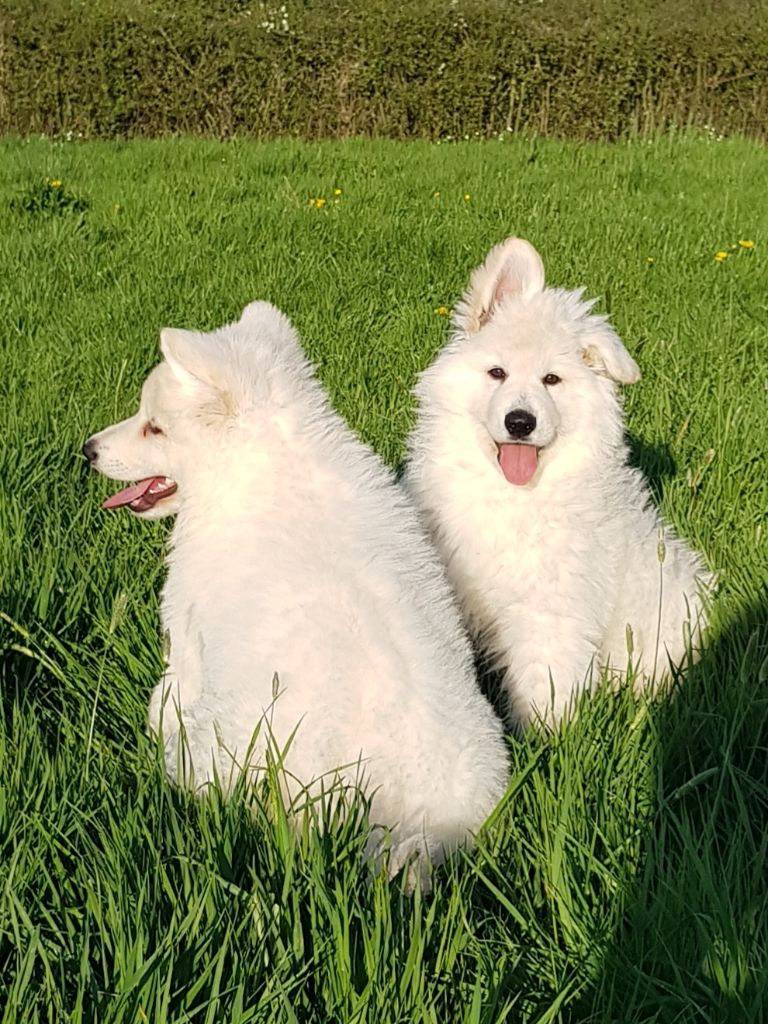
<point x="416" y="69"/>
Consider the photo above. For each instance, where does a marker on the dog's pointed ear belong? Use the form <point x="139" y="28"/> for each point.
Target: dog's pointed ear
<point x="270" y="321"/>
<point x="511" y="268"/>
<point x="195" y="361"/>
<point x="604" y="352"/>
<point x="259" y="312"/>
<point x="181" y="350"/>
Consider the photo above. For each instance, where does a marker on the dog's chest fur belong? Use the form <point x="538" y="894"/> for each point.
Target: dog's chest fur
<point x="554" y="547"/>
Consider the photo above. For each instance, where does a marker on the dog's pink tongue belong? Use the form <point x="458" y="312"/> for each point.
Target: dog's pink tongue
<point x="518" y="462"/>
<point x="129" y="494"/>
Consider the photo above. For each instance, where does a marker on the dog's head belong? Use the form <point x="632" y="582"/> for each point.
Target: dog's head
<point x="205" y="382"/>
<point x="531" y="365"/>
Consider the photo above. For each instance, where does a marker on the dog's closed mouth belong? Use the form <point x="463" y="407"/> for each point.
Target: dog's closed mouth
<point x="518" y="462"/>
<point x="142" y="496"/>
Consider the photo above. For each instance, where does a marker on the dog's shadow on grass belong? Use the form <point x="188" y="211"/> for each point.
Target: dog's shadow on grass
<point x="654" y="460"/>
<point x="693" y="944"/>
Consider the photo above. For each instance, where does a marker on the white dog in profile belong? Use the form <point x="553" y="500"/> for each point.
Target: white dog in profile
<point x="303" y="601"/>
<point x="519" y="465"/>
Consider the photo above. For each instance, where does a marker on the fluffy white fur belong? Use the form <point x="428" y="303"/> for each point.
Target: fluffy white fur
<point x="573" y="568"/>
<point x="303" y="600"/>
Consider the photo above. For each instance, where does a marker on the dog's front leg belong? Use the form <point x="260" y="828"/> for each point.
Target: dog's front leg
<point x="549" y="664"/>
<point x="181" y="683"/>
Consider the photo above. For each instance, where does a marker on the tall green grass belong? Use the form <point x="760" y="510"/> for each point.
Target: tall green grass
<point x="624" y="876"/>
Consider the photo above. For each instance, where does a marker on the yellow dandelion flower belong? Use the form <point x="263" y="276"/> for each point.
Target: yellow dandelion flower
<point x="337" y="191"/>
<point x="649" y="259"/>
<point x="746" y="243"/>
<point x="56" y="183"/>
<point x="318" y="203"/>
<point x="435" y="195"/>
<point x="467" y="197"/>
<point x="721" y="256"/>
<point x="442" y="311"/>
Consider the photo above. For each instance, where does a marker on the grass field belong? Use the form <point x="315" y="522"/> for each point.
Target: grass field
<point x="625" y="877"/>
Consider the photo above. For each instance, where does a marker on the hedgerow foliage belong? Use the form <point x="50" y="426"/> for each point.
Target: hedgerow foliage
<point x="336" y="68"/>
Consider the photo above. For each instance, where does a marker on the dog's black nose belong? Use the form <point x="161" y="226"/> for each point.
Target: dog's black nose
<point x="89" y="450"/>
<point x="519" y="423"/>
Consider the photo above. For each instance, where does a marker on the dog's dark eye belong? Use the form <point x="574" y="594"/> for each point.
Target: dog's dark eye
<point x="551" y="379"/>
<point x="152" y="428"/>
<point x="497" y="373"/>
